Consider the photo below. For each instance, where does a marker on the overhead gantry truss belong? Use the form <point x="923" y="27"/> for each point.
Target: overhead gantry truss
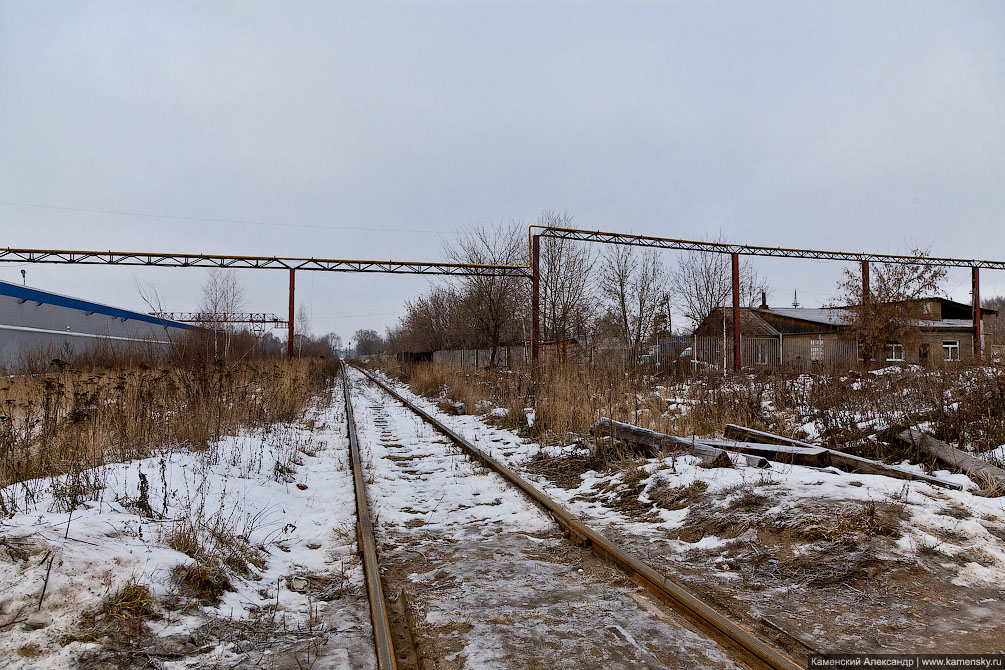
<point x="70" y="257"/>
<point x="530" y="271"/>
<point x="226" y="317"/>
<point x="737" y="250"/>
<point x="749" y="250"/>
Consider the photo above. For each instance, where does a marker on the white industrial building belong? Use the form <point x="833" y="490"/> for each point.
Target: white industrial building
<point x="39" y="325"/>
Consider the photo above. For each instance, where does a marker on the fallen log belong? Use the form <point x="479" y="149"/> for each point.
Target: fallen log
<point x="985" y="475"/>
<point x="840" y="459"/>
<point x="816" y="457"/>
<point x="660" y="442"/>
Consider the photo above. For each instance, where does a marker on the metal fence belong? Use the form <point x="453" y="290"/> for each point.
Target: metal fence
<point x="768" y="353"/>
<point x="801" y="353"/>
<point x="755" y="352"/>
<point x="685" y="351"/>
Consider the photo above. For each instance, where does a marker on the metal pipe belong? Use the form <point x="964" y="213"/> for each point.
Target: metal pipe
<point x="736" y="312"/>
<point x="156" y="259"/>
<point x="535" y="300"/>
<point x="867" y="317"/>
<point x="753" y="250"/>
<point x="976" y="293"/>
<point x="289" y="339"/>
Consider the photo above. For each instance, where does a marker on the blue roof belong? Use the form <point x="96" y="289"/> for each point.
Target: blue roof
<point x="24" y="293"/>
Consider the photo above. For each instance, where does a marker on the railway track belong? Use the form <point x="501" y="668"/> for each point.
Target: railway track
<point x="428" y="559"/>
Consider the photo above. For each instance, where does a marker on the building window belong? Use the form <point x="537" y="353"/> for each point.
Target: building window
<point x="817" y="349"/>
<point x="760" y="354"/>
<point x="894" y="352"/>
<point x="951" y="348"/>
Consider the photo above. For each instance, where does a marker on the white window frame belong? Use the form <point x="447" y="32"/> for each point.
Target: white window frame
<point x="892" y="349"/>
<point x="760" y="353"/>
<point x="817" y="349"/>
<point x="948" y="349"/>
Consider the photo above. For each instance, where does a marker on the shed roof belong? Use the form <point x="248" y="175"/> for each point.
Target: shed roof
<point x="837" y="316"/>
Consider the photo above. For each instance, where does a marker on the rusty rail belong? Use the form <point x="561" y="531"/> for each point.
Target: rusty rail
<point x="367" y="545"/>
<point x="742" y="640"/>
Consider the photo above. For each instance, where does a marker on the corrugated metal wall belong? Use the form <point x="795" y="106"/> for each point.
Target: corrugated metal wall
<point x="36" y="324"/>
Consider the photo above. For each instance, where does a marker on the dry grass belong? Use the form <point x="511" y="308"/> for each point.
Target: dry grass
<point x="67" y="423"/>
<point x="964" y="405"/>
<point x="130" y="603"/>
<point x="676" y="497"/>
<point x="569" y="398"/>
<point x="205" y="580"/>
<point x="120" y="616"/>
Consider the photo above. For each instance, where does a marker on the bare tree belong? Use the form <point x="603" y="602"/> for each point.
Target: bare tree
<point x="335" y="342"/>
<point x="634" y="285"/>
<point x="893" y="312"/>
<point x="368" y="342"/>
<point x="567" y="301"/>
<point x="301" y="328"/>
<point x="492" y="306"/>
<point x="430" y="322"/>
<point x="703" y="282"/>
<point x="222" y="295"/>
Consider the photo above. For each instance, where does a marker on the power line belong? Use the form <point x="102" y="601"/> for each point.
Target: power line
<point x="202" y="219"/>
<point x="350" y="316"/>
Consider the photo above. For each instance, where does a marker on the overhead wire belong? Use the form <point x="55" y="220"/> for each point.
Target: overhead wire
<point x="203" y="219"/>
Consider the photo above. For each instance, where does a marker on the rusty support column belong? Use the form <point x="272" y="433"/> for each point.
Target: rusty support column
<point x="978" y="341"/>
<point x="866" y="316"/>
<point x="289" y="341"/>
<point x="736" y="312"/>
<point x="535" y="301"/>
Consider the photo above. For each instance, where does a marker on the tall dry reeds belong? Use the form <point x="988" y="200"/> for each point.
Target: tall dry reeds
<point x="962" y="405"/>
<point x="66" y="423"/>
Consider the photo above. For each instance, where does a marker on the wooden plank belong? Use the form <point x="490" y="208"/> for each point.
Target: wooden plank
<point x="841" y="459"/>
<point x="984" y="474"/>
<point x="735" y="432"/>
<point x="660" y="442"/>
<point x="816" y="457"/>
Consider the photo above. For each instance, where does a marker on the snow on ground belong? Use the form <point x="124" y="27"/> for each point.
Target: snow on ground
<point x="494" y="582"/>
<point x="839" y="561"/>
<point x="285" y="490"/>
<point x="789" y="486"/>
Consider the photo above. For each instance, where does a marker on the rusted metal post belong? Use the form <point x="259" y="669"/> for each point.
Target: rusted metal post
<point x="866" y="316"/>
<point x="289" y="340"/>
<point x="976" y="282"/>
<point x="736" y="312"/>
<point x="535" y="300"/>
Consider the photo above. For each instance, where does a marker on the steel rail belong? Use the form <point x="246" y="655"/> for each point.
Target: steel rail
<point x="626" y="239"/>
<point x="641" y="573"/>
<point x="367" y="545"/>
<point x="153" y="259"/>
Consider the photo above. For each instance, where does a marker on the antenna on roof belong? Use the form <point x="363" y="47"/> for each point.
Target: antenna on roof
<point x="795" y="298"/>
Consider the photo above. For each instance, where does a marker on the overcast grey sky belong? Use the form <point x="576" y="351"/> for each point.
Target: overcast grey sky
<point x="374" y="130"/>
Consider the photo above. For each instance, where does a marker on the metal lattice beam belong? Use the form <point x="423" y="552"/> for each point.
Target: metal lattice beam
<point x="748" y="250"/>
<point x="256" y="262"/>
<point x="231" y="317"/>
